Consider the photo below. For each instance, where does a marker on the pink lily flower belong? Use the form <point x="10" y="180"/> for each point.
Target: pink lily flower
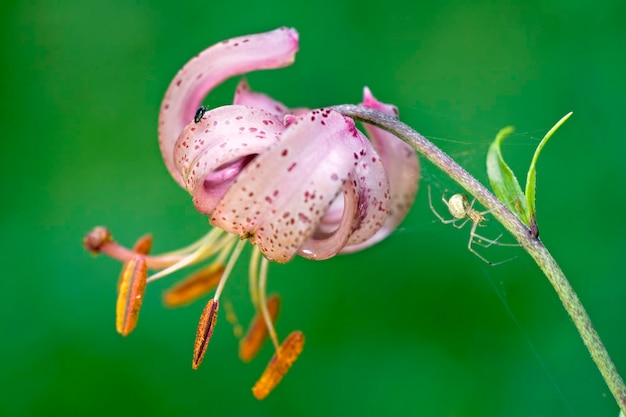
<point x="290" y="181"/>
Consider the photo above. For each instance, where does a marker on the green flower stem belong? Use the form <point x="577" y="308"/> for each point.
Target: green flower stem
<point x="533" y="245"/>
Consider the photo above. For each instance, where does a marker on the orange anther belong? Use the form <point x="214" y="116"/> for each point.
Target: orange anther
<point x="143" y="245"/>
<point x="195" y="286"/>
<point x="282" y="360"/>
<point x="130" y="296"/>
<point x="205" y="330"/>
<point x="257" y="332"/>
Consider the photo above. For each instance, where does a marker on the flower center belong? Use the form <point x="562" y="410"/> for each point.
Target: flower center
<point x="224" y="247"/>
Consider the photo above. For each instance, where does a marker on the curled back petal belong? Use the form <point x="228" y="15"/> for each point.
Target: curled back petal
<point x="402" y="166"/>
<point x="330" y="236"/>
<point x="211" y="153"/>
<point x="226" y="59"/>
<point x="374" y="199"/>
<point x="279" y="199"/>
<point x="367" y="194"/>
<point x="246" y="97"/>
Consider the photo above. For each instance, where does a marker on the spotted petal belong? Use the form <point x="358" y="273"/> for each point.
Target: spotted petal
<point x="245" y="96"/>
<point x="236" y="56"/>
<point x="211" y="153"/>
<point x="402" y="168"/>
<point x="279" y="199"/>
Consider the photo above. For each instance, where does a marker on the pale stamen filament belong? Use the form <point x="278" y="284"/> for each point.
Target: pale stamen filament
<point x="203" y="248"/>
<point x="213" y="235"/>
<point x="213" y="243"/>
<point x="253" y="276"/>
<point x="263" y="303"/>
<point x="229" y="267"/>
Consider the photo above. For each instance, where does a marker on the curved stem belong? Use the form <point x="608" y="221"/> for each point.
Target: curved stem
<point x="532" y="245"/>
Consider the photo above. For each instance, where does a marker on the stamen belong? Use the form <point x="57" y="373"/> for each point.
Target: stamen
<point x="200" y="283"/>
<point x="206" y="240"/>
<point x="257" y="333"/>
<point x="263" y="303"/>
<point x="279" y="365"/>
<point x="142" y="247"/>
<point x="229" y="267"/>
<point x="209" y="314"/>
<point x="205" y="330"/>
<point x="194" y="286"/>
<point x="253" y="275"/>
<point x="99" y="240"/>
<point x="130" y="296"/>
<point x="214" y="241"/>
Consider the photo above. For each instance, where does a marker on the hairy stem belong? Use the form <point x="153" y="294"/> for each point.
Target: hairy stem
<point x="532" y="245"/>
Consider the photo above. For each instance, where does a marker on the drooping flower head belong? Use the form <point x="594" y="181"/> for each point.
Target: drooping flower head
<point x="290" y="181"/>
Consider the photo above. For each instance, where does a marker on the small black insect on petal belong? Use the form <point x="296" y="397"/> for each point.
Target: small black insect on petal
<point x="199" y="113"/>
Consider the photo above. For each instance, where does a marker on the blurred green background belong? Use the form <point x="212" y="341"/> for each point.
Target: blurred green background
<point x="414" y="326"/>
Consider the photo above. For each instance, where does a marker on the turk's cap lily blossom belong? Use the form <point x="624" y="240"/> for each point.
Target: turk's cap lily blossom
<point x="290" y="181"/>
<point x="300" y="181"/>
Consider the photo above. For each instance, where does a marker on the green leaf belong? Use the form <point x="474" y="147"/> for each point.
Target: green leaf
<point x="503" y="180"/>
<point x="531" y="178"/>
